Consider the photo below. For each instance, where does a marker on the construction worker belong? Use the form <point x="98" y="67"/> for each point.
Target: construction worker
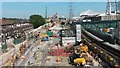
<point x="96" y="57"/>
<point x="99" y="60"/>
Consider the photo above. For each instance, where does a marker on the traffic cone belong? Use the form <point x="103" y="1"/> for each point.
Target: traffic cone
<point x="58" y="59"/>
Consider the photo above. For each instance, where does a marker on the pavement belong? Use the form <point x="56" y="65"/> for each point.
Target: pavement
<point x="116" y="46"/>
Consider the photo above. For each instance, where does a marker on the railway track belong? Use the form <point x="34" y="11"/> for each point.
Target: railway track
<point x="111" y="52"/>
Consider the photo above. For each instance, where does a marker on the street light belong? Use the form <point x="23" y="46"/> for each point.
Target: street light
<point x="62" y="25"/>
<point x="4" y="46"/>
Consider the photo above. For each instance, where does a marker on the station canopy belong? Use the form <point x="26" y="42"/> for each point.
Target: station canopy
<point x="89" y="13"/>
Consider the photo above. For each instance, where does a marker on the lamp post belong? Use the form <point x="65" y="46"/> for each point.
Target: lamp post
<point x="62" y="25"/>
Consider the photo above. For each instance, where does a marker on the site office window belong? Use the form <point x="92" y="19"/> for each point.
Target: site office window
<point x="68" y="33"/>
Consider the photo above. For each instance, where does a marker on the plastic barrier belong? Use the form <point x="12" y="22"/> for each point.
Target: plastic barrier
<point x="17" y="41"/>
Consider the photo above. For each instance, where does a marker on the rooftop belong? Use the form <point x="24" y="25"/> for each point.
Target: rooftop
<point x="89" y="13"/>
<point x="6" y="21"/>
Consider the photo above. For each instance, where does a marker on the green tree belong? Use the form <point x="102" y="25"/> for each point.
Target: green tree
<point x="37" y="20"/>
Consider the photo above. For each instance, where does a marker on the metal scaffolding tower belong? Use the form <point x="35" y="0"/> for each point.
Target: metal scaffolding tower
<point x="46" y="12"/>
<point x="108" y="7"/>
<point x="70" y="11"/>
<point x="111" y="7"/>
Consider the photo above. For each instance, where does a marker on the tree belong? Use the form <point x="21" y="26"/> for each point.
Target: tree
<point x="37" y="20"/>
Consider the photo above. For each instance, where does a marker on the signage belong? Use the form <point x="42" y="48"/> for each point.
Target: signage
<point x="66" y="40"/>
<point x="78" y="32"/>
<point x="43" y="35"/>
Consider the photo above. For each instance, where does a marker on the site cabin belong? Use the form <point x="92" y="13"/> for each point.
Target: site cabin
<point x="50" y="33"/>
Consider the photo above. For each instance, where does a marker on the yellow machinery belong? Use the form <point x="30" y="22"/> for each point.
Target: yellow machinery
<point x="106" y="30"/>
<point x="43" y="35"/>
<point x="80" y="61"/>
<point x="84" y="48"/>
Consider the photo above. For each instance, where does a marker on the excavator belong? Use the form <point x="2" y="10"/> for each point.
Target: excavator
<point x="76" y="57"/>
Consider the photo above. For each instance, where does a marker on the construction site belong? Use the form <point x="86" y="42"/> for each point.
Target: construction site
<point x="90" y="40"/>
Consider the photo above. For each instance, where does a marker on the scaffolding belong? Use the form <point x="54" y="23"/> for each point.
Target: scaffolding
<point x="70" y="11"/>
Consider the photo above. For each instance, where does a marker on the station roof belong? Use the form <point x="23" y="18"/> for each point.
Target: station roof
<point x="6" y="22"/>
<point x="89" y="13"/>
<point x="103" y="14"/>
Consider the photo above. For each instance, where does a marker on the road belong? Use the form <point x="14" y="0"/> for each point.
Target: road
<point x="21" y="62"/>
<point x="41" y="53"/>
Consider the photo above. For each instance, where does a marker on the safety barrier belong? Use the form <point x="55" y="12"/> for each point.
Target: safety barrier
<point x="17" y="41"/>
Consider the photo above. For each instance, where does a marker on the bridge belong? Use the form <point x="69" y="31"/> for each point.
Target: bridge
<point x="100" y="29"/>
<point x="97" y="25"/>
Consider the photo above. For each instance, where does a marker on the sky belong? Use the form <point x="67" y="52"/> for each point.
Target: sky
<point x="56" y="0"/>
<point x="25" y="9"/>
